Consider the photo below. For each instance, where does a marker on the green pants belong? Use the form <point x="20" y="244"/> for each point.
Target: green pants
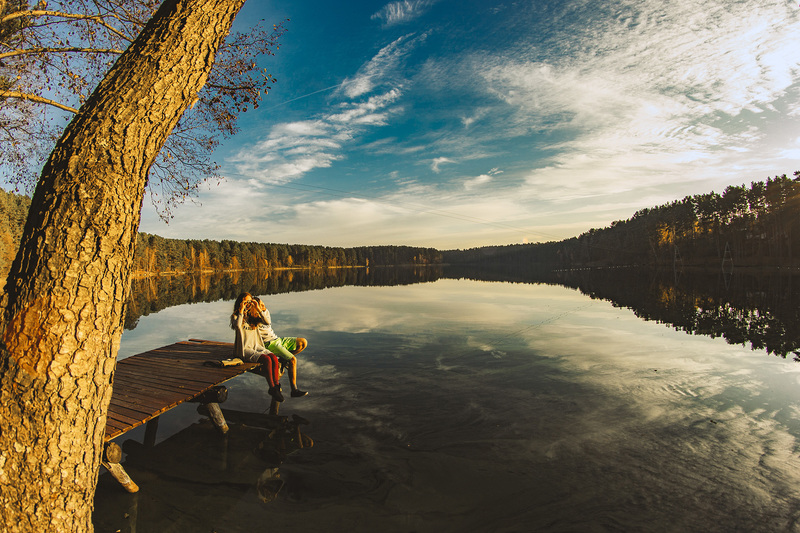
<point x="282" y="347"/>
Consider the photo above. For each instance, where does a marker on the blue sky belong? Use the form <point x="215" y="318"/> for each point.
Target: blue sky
<point x="463" y="123"/>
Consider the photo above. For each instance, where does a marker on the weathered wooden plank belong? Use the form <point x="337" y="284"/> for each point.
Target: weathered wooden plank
<point x="149" y="384"/>
<point x="114" y="424"/>
<point x="125" y="421"/>
<point x="150" y="403"/>
<point x="167" y="378"/>
<point x="176" y="368"/>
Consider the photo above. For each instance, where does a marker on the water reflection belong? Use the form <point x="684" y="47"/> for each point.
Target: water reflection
<point x="284" y="438"/>
<point x="752" y="309"/>
<point x="193" y="474"/>
<point x="758" y="310"/>
<point x="462" y="405"/>
<point x="152" y="294"/>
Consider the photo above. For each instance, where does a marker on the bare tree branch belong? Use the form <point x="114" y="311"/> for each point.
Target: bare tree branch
<point x="63" y="50"/>
<point x="71" y="49"/>
<point x="80" y="16"/>
<point x="37" y="99"/>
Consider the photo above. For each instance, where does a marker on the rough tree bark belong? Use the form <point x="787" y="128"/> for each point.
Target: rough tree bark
<point x="63" y="307"/>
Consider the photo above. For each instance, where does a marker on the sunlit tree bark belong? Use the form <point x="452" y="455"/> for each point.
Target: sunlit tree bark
<point x="62" y="311"/>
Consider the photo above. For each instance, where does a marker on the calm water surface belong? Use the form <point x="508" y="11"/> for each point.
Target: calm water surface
<point x="473" y="406"/>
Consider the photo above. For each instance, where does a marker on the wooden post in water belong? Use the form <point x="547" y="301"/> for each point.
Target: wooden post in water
<point x="211" y="400"/>
<point x="150" y="431"/>
<point x="112" y="455"/>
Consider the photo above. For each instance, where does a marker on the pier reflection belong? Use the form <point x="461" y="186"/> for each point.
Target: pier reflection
<point x="197" y="476"/>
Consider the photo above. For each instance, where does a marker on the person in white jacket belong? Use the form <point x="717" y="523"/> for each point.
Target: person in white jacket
<point x="256" y="342"/>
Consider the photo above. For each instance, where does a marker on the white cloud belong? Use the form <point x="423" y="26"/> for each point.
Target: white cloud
<point x="475" y="116"/>
<point x="439" y="161"/>
<point x="366" y="113"/>
<point x="402" y="11"/>
<point x="382" y="67"/>
<point x="477" y="181"/>
<point x="658" y="94"/>
<point x="291" y="150"/>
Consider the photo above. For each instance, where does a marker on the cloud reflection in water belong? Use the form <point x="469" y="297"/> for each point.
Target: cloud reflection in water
<point x="472" y="406"/>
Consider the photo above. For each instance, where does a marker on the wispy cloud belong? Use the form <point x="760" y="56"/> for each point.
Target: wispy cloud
<point x="291" y="150"/>
<point x="384" y="66"/>
<point x="438" y="161"/>
<point x="643" y="89"/>
<point x="483" y="179"/>
<point x="402" y="12"/>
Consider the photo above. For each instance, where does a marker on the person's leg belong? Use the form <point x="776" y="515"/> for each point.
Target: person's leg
<point x="276" y="369"/>
<point x="266" y="369"/>
<point x="270" y="370"/>
<point x="286" y="349"/>
<point x="300" y="345"/>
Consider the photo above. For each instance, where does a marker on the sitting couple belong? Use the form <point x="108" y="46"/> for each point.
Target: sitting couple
<point x="257" y="343"/>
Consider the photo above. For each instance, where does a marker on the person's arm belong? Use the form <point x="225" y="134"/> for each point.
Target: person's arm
<point x="238" y="344"/>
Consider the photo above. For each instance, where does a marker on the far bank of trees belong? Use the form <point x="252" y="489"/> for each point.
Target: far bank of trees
<point x="757" y="226"/>
<point x="156" y="254"/>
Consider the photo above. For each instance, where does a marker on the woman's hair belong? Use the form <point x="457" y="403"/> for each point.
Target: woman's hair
<point x="236" y="306"/>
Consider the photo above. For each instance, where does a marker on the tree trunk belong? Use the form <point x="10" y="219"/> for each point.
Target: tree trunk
<point x="63" y="307"/>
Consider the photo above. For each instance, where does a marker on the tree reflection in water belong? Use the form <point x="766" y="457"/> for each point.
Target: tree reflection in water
<point x="757" y="309"/>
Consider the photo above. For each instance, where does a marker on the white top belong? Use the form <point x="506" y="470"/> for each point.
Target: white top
<point x="248" y="345"/>
<point x="265" y="329"/>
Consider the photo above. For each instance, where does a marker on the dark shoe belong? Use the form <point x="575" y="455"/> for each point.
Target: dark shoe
<point x="275" y="392"/>
<point x="297" y="393"/>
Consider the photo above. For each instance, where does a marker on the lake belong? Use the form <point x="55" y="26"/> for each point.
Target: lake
<point x="458" y="404"/>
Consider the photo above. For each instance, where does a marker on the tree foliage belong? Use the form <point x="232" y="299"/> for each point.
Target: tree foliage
<point x="53" y="54"/>
<point x="754" y="226"/>
<point x="157" y="255"/>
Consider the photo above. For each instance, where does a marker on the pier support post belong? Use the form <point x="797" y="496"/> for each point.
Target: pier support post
<point x="215" y="413"/>
<point x="150" y="431"/>
<point x="211" y="400"/>
<point x="111" y="458"/>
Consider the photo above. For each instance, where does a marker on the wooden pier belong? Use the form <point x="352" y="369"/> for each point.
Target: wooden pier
<point x="151" y="383"/>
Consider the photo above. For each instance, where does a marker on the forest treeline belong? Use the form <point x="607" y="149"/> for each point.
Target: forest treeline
<point x="747" y="226"/>
<point x="158" y="255"/>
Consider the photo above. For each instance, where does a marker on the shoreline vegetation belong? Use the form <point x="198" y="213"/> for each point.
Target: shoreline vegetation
<point x="683" y="261"/>
<point x="755" y="228"/>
